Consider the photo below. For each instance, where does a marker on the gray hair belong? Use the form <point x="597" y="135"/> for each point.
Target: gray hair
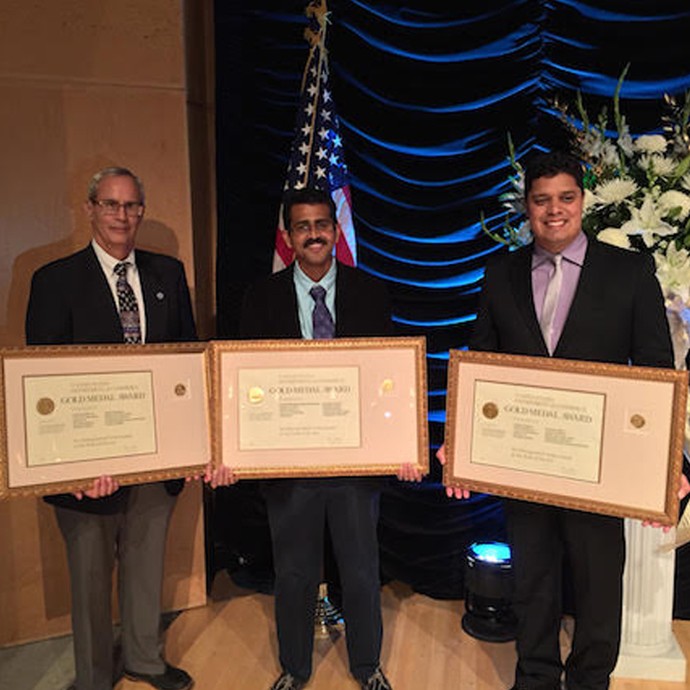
<point x="114" y="171"/>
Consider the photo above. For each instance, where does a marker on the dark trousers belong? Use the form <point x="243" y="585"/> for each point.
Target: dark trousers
<point x="542" y="538"/>
<point x="298" y="510"/>
<point x="136" y="537"/>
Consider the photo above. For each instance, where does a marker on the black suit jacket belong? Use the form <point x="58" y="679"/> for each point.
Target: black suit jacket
<point x="71" y="302"/>
<point x="617" y="314"/>
<point x="362" y="307"/>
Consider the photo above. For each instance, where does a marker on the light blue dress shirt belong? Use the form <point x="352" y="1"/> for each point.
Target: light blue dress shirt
<point x="305" y="302"/>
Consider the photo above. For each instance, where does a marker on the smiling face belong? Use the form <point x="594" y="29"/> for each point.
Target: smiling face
<point x="116" y="230"/>
<point x="554" y="207"/>
<point x="312" y="235"/>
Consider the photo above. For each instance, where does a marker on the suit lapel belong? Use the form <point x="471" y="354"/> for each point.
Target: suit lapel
<point x="155" y="298"/>
<point x="98" y="297"/>
<point x="285" y="307"/>
<point x="521" y="287"/>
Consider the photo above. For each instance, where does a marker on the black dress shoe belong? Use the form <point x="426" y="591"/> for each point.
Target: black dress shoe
<point x="171" y="679"/>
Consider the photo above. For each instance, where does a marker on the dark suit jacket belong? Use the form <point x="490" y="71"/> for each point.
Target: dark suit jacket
<point x="362" y="308"/>
<point x="71" y="302"/>
<point x="617" y="314"/>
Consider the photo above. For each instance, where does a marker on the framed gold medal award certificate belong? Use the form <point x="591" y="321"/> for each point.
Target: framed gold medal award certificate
<point x="597" y="437"/>
<point x="73" y="413"/>
<point x="317" y="408"/>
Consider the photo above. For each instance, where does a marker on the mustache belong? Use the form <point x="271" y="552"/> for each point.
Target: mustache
<point x="314" y="240"/>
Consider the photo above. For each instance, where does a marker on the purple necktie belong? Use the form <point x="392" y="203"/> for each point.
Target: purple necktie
<point x="322" y="320"/>
<point x="127" y="305"/>
<point x="551" y="297"/>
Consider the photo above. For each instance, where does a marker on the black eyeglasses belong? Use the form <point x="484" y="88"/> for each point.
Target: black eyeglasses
<point x="110" y="207"/>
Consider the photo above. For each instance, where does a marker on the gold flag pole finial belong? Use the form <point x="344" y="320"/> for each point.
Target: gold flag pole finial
<point x="318" y="11"/>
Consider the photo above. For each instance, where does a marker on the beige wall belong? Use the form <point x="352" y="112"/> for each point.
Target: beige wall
<point x="84" y="85"/>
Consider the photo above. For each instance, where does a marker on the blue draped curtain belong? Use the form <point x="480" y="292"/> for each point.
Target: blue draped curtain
<point x="427" y="92"/>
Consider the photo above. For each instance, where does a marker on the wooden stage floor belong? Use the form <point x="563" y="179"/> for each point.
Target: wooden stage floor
<point x="230" y="645"/>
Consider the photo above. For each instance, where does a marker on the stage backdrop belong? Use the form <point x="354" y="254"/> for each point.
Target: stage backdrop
<point x="427" y="92"/>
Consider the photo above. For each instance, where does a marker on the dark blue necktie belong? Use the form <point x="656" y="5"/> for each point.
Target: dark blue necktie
<point x="127" y="305"/>
<point x="322" y="320"/>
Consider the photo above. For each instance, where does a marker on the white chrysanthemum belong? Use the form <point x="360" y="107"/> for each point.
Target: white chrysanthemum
<point x="646" y="222"/>
<point x="651" y="143"/>
<point x="674" y="199"/>
<point x="615" y="191"/>
<point x="614" y="236"/>
<point x="659" y="165"/>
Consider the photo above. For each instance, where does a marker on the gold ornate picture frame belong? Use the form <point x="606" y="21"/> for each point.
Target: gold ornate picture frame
<point x="319" y="408"/>
<point x="72" y="413"/>
<point x="598" y="437"/>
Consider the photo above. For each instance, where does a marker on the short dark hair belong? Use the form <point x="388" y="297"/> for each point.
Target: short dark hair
<point x="308" y="195"/>
<point x="551" y="164"/>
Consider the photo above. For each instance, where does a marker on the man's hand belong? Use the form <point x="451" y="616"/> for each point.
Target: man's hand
<point x="684" y="487"/>
<point x="409" y="473"/>
<point x="105" y="485"/>
<point x="458" y="492"/>
<point x="682" y="493"/>
<point x="216" y="476"/>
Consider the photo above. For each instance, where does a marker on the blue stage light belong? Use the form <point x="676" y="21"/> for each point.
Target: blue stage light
<point x="488" y="592"/>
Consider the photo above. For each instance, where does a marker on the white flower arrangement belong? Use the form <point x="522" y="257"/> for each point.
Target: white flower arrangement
<point x="637" y="196"/>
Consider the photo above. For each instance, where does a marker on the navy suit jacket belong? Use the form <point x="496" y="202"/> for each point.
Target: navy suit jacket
<point x="71" y="303"/>
<point x="617" y="314"/>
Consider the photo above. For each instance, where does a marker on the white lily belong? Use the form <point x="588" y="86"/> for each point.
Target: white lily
<point x="646" y="222"/>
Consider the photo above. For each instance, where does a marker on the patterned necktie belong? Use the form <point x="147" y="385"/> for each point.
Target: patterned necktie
<point x="127" y="304"/>
<point x="321" y="317"/>
<point x="548" y="312"/>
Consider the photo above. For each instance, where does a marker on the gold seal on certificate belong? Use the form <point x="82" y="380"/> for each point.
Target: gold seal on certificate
<point x="637" y="421"/>
<point x="255" y="395"/>
<point x="45" y="406"/>
<point x="88" y="416"/>
<point x="299" y="408"/>
<point x="387" y="386"/>
<point x="490" y="410"/>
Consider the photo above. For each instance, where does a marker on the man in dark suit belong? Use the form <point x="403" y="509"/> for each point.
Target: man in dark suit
<point x="110" y="293"/>
<point x="570" y="297"/>
<point x="317" y="297"/>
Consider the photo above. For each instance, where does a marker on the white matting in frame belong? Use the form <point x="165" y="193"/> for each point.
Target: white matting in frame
<point x="591" y="436"/>
<point x="317" y="408"/>
<point x="72" y="413"/>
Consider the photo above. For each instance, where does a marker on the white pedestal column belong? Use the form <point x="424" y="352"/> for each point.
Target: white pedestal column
<point x="648" y="647"/>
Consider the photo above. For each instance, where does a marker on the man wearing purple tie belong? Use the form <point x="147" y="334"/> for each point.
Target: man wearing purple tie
<point x="571" y="297"/>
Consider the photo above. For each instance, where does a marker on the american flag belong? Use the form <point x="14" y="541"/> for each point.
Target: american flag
<point x="316" y="157"/>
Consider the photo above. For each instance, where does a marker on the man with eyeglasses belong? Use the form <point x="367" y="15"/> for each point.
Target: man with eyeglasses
<point x="110" y="293"/>
<point x="317" y="297"/>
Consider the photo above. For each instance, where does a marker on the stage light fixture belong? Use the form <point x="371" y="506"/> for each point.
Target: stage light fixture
<point x="488" y="592"/>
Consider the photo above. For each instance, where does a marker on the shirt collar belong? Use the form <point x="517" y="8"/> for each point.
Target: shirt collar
<point x="306" y="283"/>
<point x="574" y="253"/>
<point x="109" y="262"/>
